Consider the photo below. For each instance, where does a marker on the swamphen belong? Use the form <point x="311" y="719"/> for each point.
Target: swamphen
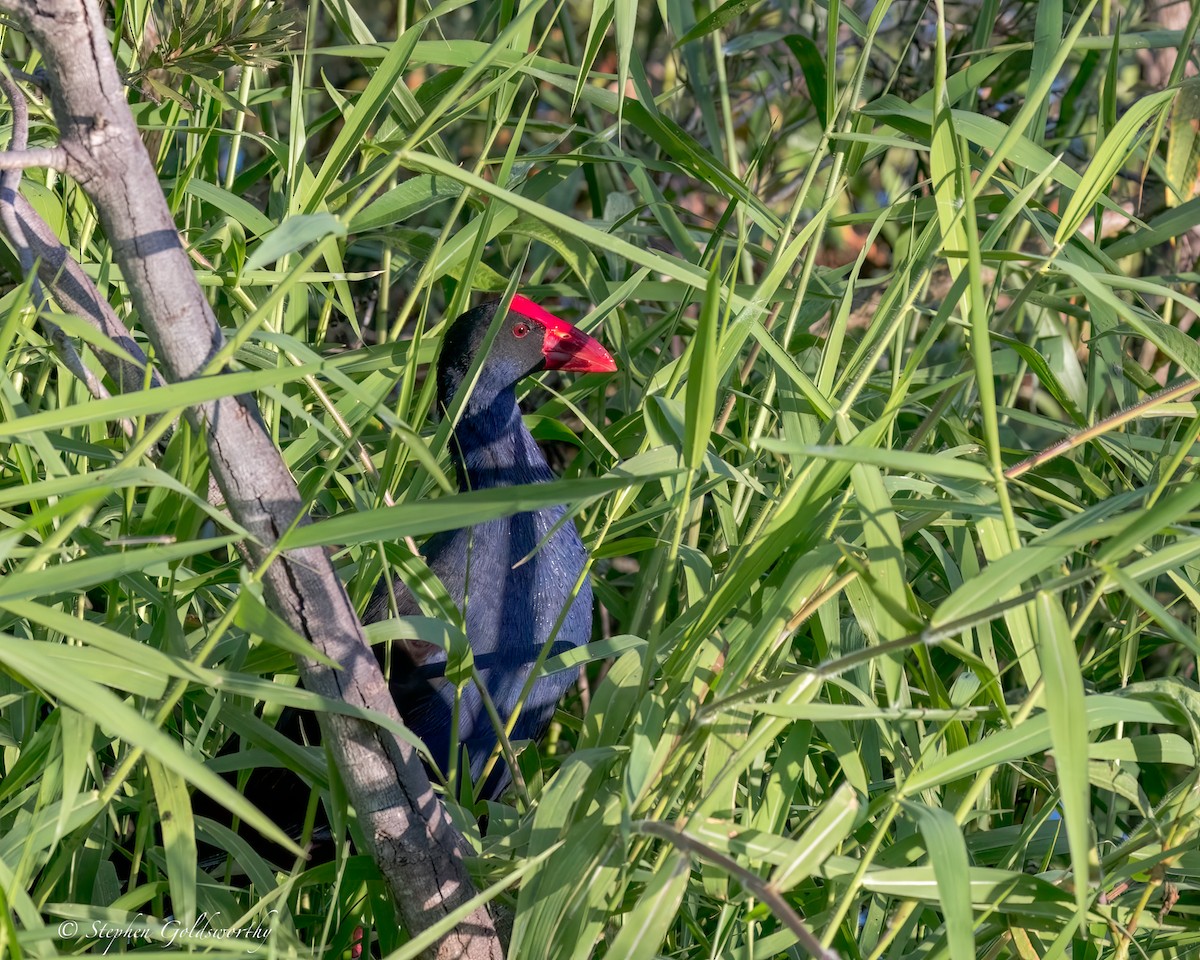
<point x="510" y="608"/>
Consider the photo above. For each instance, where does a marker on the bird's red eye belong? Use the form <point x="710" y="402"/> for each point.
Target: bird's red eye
<point x="520" y="329"/>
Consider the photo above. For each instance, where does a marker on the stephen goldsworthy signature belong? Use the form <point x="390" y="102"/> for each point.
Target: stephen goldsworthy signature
<point x="167" y="932"/>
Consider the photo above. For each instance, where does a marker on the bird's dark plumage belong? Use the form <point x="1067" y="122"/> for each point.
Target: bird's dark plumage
<point x="511" y="607"/>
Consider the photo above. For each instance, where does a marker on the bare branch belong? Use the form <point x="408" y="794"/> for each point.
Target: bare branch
<point x="76" y="293"/>
<point x="775" y="901"/>
<point x="10" y="185"/>
<point x="53" y="158"/>
<point x="1176" y="392"/>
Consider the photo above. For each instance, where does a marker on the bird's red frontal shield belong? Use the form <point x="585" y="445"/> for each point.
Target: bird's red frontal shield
<point x="565" y="347"/>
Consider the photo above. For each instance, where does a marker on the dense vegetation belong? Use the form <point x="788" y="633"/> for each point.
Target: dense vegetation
<point x="863" y="672"/>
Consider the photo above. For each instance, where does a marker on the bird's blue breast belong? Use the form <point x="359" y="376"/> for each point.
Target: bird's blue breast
<point x="517" y="580"/>
<point x="511" y="609"/>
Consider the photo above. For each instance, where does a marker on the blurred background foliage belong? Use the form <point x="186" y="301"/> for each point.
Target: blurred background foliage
<point x="861" y="670"/>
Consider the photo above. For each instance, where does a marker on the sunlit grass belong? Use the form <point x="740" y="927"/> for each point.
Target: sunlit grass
<point x="856" y="676"/>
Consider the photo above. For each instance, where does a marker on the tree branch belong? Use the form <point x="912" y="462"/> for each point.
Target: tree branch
<point x="53" y="158"/>
<point x="75" y="293"/>
<point x="10" y="185"/>
<point x="407" y="828"/>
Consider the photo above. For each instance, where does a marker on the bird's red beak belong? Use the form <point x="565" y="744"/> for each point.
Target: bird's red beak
<point x="565" y="346"/>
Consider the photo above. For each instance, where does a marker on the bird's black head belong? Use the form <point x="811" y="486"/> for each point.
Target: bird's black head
<point x="528" y="339"/>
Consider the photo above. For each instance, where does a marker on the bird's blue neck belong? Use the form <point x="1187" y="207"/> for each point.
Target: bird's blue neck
<point x="493" y="448"/>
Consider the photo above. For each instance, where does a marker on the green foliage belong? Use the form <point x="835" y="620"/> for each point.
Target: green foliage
<point x="861" y="678"/>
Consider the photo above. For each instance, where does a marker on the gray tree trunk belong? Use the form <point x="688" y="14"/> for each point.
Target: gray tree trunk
<point x="411" y="837"/>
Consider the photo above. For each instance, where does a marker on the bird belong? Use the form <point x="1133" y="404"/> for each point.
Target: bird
<point x="510" y="607"/>
<point x="514" y="578"/>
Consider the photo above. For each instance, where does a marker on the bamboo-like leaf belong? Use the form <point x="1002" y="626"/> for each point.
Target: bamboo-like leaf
<point x="827" y="830"/>
<point x="407" y="200"/>
<point x="359" y="119"/>
<point x="295" y="233"/>
<point x="951" y="869"/>
<point x="1110" y="158"/>
<point x="79" y="574"/>
<point x="1031" y="737"/>
<point x="117" y="718"/>
<point x="643" y="928"/>
<point x="1066" y="709"/>
<point x="812" y="65"/>
<point x="464" y="509"/>
<point x="602" y="15"/>
<point x="726" y="13"/>
<point x="179" y="838"/>
<point x="171" y="397"/>
<point x="625" y="15"/>
<point x="701" y="394"/>
<point x="946" y="464"/>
